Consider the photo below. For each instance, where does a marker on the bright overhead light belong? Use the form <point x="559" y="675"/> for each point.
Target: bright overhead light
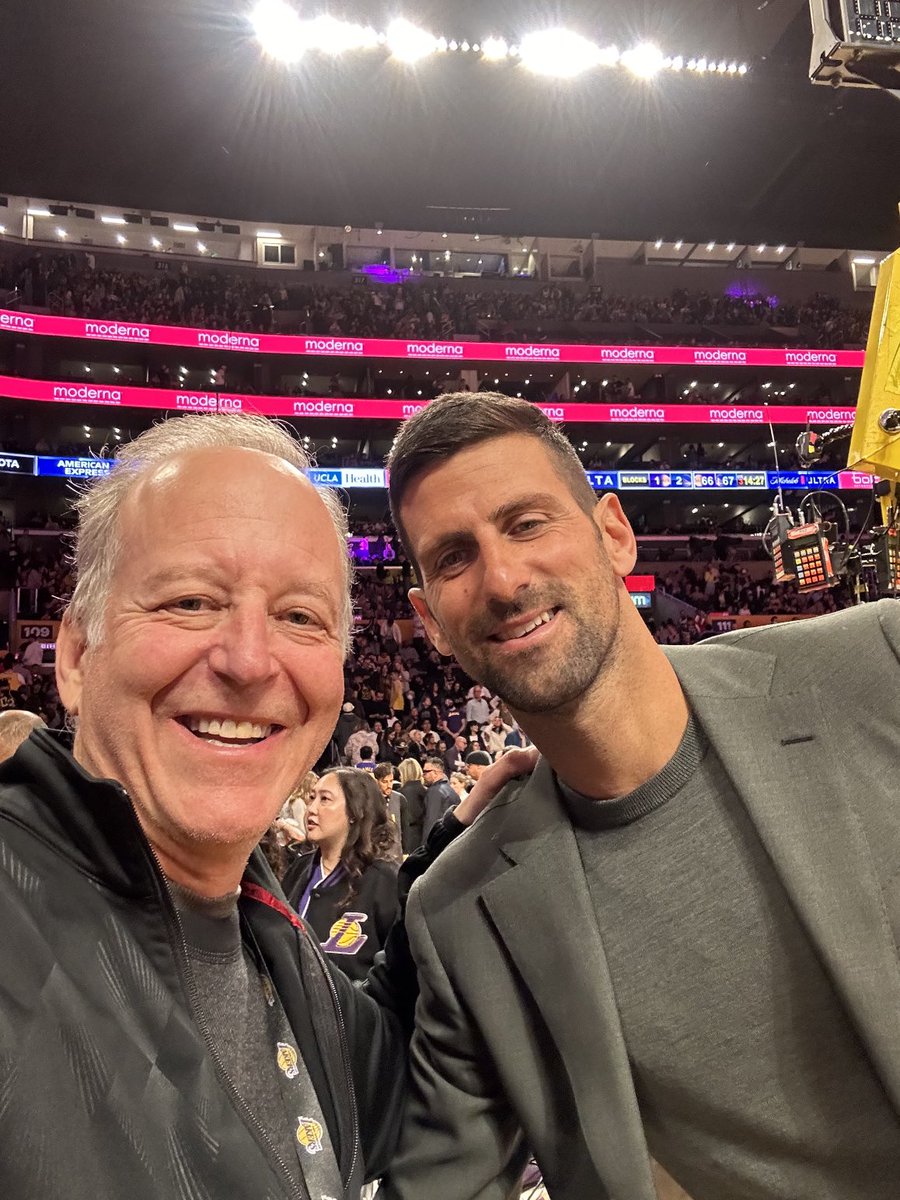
<point x="730" y="247"/>
<point x="184" y="227"/>
<point x="201" y="246"/>
<point x="155" y="243"/>
<point x="408" y="43"/>
<point x="658" y="243"/>
<point x="761" y="248"/>
<point x="271" y="233"/>
<point x="331" y="36"/>
<point x="862" y="261"/>
<point x="560" y="53"/>
<point x="679" y="244"/>
<point x="743" y="69"/>
<point x="2" y="229"/>
<point x="677" y="63"/>
<point x="121" y="239"/>
<point x="494" y="48"/>
<point x="109" y="219"/>
<point x="710" y="246"/>
<point x="38" y="212"/>
<point x="61" y="233"/>
<point x="781" y="249"/>
<point x="645" y="61"/>
<point x="278" y="30"/>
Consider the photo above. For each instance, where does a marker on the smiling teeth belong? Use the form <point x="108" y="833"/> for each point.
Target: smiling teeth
<point x="543" y="619"/>
<point x="236" y="730"/>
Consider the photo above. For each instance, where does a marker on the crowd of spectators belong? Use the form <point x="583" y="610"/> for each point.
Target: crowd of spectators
<point x="402" y="698"/>
<point x="78" y="284"/>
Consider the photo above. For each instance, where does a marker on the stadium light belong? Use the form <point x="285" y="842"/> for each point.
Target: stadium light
<point x="278" y="30"/>
<point x="268" y="233"/>
<point x="109" y="219"/>
<point x="861" y="261"/>
<point x="644" y="61"/>
<point x="61" y="233"/>
<point x="201" y="246"/>
<point x="730" y="247"/>
<point x="679" y="244"/>
<point x="559" y="53"/>
<point x="121" y="239"/>
<point x="710" y="246"/>
<point x="781" y="249"/>
<point x="184" y="227"/>
<point x="408" y="43"/>
<point x="155" y="243"/>
<point x="658" y="243"/>
<point x="761" y="248"/>
<point x="2" y="229"/>
<point x="331" y="36"/>
<point x="38" y="212"/>
<point x="494" y="49"/>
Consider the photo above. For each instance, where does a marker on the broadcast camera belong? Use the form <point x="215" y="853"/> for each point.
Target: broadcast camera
<point x="856" y="43"/>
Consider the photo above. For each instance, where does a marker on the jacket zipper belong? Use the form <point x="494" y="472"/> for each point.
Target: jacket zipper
<point x="345" y="1055"/>
<point x="200" y="1018"/>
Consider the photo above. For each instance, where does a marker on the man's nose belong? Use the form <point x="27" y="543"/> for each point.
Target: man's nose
<point x="505" y="570"/>
<point x="243" y="650"/>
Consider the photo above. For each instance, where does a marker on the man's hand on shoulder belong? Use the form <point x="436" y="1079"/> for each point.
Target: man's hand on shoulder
<point x="493" y="781"/>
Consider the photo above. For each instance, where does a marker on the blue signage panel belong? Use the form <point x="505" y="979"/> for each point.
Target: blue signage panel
<point x="73" y="468"/>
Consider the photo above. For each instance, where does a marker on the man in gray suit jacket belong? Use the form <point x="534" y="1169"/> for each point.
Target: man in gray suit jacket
<point x="678" y="940"/>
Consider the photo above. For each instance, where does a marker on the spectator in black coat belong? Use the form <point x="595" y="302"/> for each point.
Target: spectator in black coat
<point x="412" y="788"/>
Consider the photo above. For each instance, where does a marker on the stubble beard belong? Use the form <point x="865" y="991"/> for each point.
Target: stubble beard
<point x="554" y="682"/>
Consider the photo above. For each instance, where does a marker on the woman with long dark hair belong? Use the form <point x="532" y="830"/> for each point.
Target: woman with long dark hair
<point x="346" y="889"/>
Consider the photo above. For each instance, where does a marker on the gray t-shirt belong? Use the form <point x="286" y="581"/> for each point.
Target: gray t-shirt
<point x="752" y="1083"/>
<point x="255" y="1043"/>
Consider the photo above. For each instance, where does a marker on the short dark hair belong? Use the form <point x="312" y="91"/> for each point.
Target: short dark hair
<point x="365" y="753"/>
<point x="437" y="763"/>
<point x="462" y="419"/>
<point x="383" y="770"/>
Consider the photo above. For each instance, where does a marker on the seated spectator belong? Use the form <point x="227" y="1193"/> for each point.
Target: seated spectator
<point x="346" y="889"/>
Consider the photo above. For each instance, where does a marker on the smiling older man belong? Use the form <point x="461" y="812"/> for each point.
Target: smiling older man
<point x="168" y="1028"/>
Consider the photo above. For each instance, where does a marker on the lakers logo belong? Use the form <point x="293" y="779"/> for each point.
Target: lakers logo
<point x="287" y="1060"/>
<point x="309" y="1134"/>
<point x="346" y="935"/>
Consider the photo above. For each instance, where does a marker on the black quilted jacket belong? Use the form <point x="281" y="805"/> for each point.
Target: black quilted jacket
<point x="110" y="1088"/>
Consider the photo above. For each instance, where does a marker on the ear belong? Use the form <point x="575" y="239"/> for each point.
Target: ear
<point x="618" y="536"/>
<point x="70" y="650"/>
<point x="432" y="628"/>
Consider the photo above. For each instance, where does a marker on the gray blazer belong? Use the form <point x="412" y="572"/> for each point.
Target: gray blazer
<point x="518" y="1042"/>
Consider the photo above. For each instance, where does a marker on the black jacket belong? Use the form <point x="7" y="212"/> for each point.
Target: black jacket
<point x="350" y="932"/>
<point x="413" y="815"/>
<point x="110" y="1085"/>
<point x="439" y="797"/>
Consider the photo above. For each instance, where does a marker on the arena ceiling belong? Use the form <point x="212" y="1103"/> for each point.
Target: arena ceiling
<point x="168" y="105"/>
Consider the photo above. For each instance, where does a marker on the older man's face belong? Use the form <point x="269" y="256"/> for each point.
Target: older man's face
<point x="219" y="678"/>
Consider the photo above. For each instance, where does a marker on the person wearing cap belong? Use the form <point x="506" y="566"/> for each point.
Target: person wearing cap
<point x="476" y="764"/>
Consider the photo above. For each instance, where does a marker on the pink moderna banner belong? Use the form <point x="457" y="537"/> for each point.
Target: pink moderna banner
<point x="113" y="330"/>
<point x="310" y="407"/>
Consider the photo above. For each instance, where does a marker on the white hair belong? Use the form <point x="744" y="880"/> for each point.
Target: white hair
<point x="98" y="543"/>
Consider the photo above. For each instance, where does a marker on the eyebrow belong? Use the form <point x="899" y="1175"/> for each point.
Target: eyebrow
<point x="460" y="537"/>
<point x="190" y="572"/>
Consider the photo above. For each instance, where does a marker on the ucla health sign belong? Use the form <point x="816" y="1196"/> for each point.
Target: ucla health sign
<point x="349" y="477"/>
